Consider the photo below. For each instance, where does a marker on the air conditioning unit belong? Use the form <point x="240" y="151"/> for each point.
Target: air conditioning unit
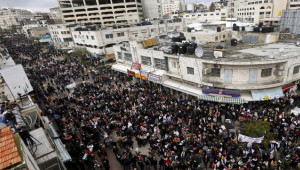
<point x="278" y="72"/>
<point x="206" y="71"/>
<point x="280" y="68"/>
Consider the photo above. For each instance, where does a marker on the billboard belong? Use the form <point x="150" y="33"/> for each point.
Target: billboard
<point x="16" y="80"/>
<point x="150" y="42"/>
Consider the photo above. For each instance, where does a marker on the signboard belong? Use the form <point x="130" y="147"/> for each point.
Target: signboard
<point x="46" y="37"/>
<point x="16" y="80"/>
<point x="155" y="78"/>
<point x="150" y="43"/>
<point x="130" y="73"/>
<point x="110" y="56"/>
<point x="137" y="66"/>
<point x="140" y="76"/>
<point x="223" y="93"/>
<point x="288" y="87"/>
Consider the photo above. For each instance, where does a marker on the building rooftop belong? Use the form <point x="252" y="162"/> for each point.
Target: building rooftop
<point x="9" y="153"/>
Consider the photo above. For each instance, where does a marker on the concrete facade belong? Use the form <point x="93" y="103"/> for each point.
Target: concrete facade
<point x="9" y="17"/>
<point x="61" y="35"/>
<point x="218" y="15"/>
<point x="152" y="9"/>
<point x="243" y="69"/>
<point x="105" y="12"/>
<point x="101" y="41"/>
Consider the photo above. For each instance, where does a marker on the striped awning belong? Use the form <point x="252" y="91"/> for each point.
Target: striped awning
<point x="222" y="99"/>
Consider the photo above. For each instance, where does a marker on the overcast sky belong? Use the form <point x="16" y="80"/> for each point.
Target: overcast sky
<point x="44" y="5"/>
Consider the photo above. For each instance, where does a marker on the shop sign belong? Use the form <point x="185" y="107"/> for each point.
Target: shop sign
<point x="137" y="75"/>
<point x="288" y="87"/>
<point x="137" y="66"/>
<point x="130" y="73"/>
<point x="150" y="43"/>
<point x="155" y="78"/>
<point x="223" y="93"/>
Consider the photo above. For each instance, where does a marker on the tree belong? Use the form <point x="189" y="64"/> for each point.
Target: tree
<point x="83" y="54"/>
<point x="212" y="7"/>
<point x="257" y="129"/>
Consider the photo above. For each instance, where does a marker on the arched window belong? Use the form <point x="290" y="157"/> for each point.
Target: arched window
<point x="268" y="7"/>
<point x="262" y="7"/>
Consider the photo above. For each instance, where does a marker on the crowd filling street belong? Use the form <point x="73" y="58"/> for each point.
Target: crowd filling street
<point x="109" y="115"/>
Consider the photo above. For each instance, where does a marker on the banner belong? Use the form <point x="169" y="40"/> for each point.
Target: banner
<point x="216" y="92"/>
<point x="249" y="140"/>
<point x="137" y="66"/>
<point x="130" y="73"/>
<point x="155" y="78"/>
<point x="70" y="86"/>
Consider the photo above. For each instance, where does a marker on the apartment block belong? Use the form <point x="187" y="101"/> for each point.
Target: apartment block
<point x="104" y="12"/>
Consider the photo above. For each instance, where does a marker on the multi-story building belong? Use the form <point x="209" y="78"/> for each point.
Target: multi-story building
<point x="293" y="4"/>
<point x="61" y="35"/>
<point x="290" y="21"/>
<point x="235" y="74"/>
<point x="266" y="11"/>
<point x="9" y="17"/>
<point x="171" y="6"/>
<point x="101" y="41"/>
<point x="152" y="9"/>
<point x="104" y="12"/>
<point x="218" y="15"/>
<point x="56" y="15"/>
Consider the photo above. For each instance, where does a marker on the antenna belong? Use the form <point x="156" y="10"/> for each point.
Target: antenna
<point x="271" y="55"/>
<point x="199" y="52"/>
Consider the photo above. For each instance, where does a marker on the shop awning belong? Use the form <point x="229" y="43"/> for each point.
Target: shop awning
<point x="222" y="99"/>
<point x="120" y="68"/>
<point x="268" y="94"/>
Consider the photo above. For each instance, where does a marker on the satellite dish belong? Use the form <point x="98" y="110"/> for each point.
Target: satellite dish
<point x="272" y="55"/>
<point x="199" y="52"/>
<point x="281" y="49"/>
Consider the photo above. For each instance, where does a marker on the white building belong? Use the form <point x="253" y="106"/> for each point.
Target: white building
<point x="209" y="17"/>
<point x="152" y="9"/>
<point x="101" y="41"/>
<point x="9" y="17"/>
<point x="105" y="12"/>
<point x="267" y="11"/>
<point x="236" y="74"/>
<point x="56" y="15"/>
<point x="61" y="35"/>
<point x="171" y="6"/>
<point x="293" y="4"/>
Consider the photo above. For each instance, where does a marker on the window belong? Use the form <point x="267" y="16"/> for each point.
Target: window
<point x="160" y="63"/>
<point x="190" y="70"/>
<point x="146" y="60"/>
<point x="215" y="72"/>
<point x="108" y="36"/>
<point x="193" y="38"/>
<point x="92" y="37"/>
<point x="119" y="55"/>
<point x="128" y="57"/>
<point x="120" y="34"/>
<point x="144" y="31"/>
<point x="153" y="30"/>
<point x="266" y="72"/>
<point x="87" y="37"/>
<point x="216" y="38"/>
<point x="296" y="69"/>
<point x="173" y="64"/>
<point x="75" y="36"/>
<point x="224" y="36"/>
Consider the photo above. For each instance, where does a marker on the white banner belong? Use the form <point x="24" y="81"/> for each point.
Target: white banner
<point x="155" y="78"/>
<point x="249" y="140"/>
<point x="70" y="86"/>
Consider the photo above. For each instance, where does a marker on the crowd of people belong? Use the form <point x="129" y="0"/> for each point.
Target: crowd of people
<point x="109" y="111"/>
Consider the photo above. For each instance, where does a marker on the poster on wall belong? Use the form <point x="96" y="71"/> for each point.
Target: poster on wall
<point x="16" y="80"/>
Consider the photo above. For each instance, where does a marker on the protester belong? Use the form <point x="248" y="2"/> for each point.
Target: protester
<point x="109" y="111"/>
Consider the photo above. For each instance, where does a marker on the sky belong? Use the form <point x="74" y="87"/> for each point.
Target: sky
<point x="44" y="5"/>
